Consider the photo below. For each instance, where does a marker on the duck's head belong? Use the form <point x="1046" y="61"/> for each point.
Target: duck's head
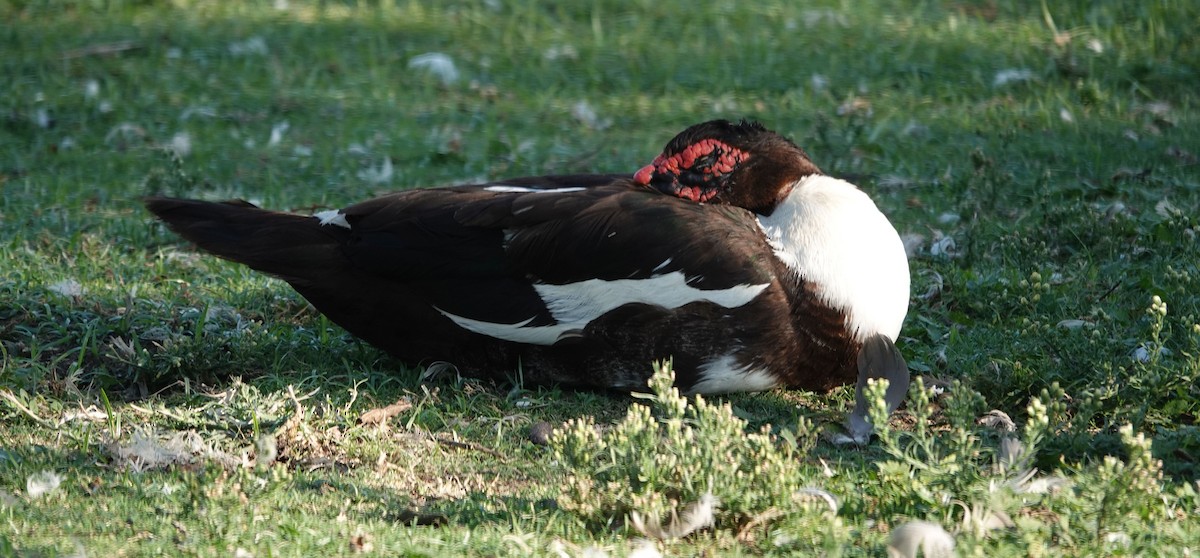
<point x="742" y="164"/>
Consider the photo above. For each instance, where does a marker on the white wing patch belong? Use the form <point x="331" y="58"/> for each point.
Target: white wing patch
<point x="506" y="189"/>
<point x="332" y="217"/>
<point x="723" y="375"/>
<point x="575" y="305"/>
<point x="517" y="333"/>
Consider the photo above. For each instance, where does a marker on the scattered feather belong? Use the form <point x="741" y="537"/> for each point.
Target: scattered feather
<point x="695" y="516"/>
<point x="912" y="244"/>
<point x="436" y="64"/>
<point x="823" y="17"/>
<point x="929" y="538"/>
<point x="998" y="420"/>
<point x="41" y="117"/>
<point x="936" y="285"/>
<point x="915" y="129"/>
<point x="1117" y="538"/>
<point x="1095" y="46"/>
<point x="240" y="552"/>
<point x="255" y="45"/>
<point x="145" y="452"/>
<point x="100" y="49"/>
<point x="266" y="450"/>
<point x="943" y="245"/>
<point x="586" y="115"/>
<point x="105" y="107"/>
<point x="90" y="414"/>
<point x="378" y="175"/>
<point x="1011" y="75"/>
<point x="1074" y="324"/>
<point x="439" y="369"/>
<point x="1182" y="155"/>
<point x="564" y="52"/>
<point x="559" y="549"/>
<point x="1158" y="109"/>
<point x="819" y="82"/>
<point x="893" y="181"/>
<point x="1116" y="209"/>
<point x="856" y="106"/>
<point x="1065" y="115"/>
<point x="67" y="287"/>
<point x="277" y="132"/>
<point x="645" y="549"/>
<point x="1165" y="209"/>
<point x="826" y="470"/>
<point x="980" y="520"/>
<point x="123" y="132"/>
<point x="810" y="493"/>
<point x="1011" y="452"/>
<point x="1042" y="485"/>
<point x="91" y="89"/>
<point x="180" y="144"/>
<point x="41" y="484"/>
<point x="205" y="111"/>
<point x="948" y="218"/>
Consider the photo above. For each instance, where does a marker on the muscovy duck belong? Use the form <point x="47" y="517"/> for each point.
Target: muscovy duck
<point x="731" y="254"/>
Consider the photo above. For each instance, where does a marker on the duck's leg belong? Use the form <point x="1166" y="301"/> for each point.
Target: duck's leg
<point x="878" y="358"/>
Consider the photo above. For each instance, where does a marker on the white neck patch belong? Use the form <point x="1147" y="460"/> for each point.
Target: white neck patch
<point x="830" y="233"/>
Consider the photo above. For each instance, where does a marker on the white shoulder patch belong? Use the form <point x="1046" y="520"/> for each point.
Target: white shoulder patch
<point x="506" y="189"/>
<point x="332" y="217"/>
<point x="575" y="305"/>
<point x="831" y="233"/>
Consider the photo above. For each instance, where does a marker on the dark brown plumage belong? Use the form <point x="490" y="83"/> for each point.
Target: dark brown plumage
<point x="585" y="280"/>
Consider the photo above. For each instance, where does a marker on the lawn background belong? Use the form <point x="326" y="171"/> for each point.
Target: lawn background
<point x="1040" y="157"/>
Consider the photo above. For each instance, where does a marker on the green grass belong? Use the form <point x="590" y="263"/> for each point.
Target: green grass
<point x="1071" y="198"/>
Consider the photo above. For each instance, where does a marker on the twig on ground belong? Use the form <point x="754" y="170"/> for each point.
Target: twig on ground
<point x="12" y="400"/>
<point x="467" y="446"/>
<point x="759" y="519"/>
<point x="100" y="49"/>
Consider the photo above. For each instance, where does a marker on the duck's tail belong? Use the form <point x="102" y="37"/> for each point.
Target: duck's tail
<point x="291" y="247"/>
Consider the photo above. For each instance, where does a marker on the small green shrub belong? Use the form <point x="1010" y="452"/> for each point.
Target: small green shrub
<point x="670" y="453"/>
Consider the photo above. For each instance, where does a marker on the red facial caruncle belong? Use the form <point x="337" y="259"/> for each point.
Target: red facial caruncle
<point x="700" y="162"/>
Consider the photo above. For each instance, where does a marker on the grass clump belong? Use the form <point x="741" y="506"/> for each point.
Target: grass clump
<point x="1038" y="158"/>
<point x="945" y="472"/>
<point x="670" y="463"/>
